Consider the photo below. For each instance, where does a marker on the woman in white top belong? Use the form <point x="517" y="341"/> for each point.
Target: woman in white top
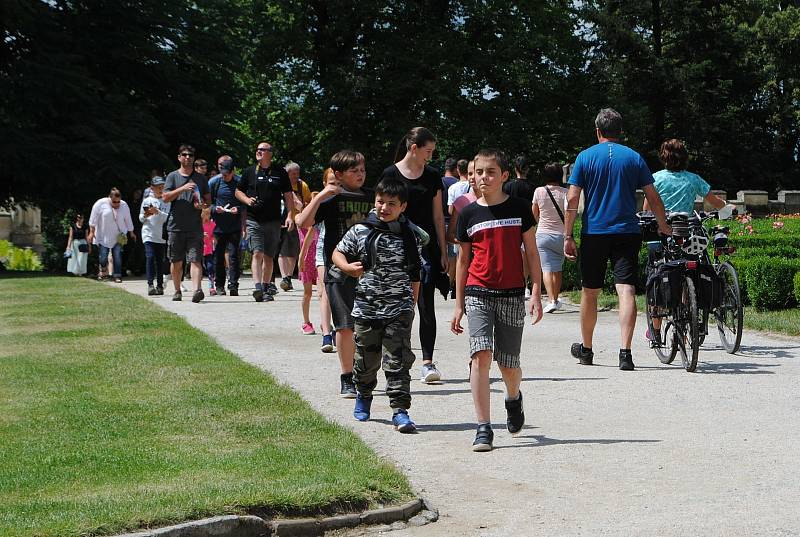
<point x="110" y="225"/>
<point x="549" y="204"/>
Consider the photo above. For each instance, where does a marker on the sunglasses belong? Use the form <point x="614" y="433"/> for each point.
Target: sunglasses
<point x="263" y="149"/>
<point x="187" y="154"/>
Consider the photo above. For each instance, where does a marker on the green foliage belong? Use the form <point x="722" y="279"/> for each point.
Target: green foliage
<point x="770" y="282"/>
<point x="797" y="287"/>
<point x="21" y="259"/>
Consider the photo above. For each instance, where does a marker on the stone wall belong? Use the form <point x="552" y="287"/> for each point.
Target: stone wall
<point x="22" y="226"/>
<point x="755" y="202"/>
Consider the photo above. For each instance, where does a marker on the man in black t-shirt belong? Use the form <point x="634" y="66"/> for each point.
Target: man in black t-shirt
<point x="261" y="188"/>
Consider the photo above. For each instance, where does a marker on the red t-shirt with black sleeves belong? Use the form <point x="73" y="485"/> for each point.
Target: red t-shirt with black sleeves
<point x="496" y="236"/>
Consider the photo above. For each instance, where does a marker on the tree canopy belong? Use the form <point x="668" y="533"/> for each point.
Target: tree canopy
<point x="96" y="94"/>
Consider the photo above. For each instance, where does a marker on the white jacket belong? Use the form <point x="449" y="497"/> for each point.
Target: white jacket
<point x="152" y="226"/>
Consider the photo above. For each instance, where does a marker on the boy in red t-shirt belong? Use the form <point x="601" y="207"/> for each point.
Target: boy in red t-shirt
<point x="490" y="288"/>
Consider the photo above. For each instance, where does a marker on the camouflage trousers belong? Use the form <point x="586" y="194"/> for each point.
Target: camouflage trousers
<point x="385" y="343"/>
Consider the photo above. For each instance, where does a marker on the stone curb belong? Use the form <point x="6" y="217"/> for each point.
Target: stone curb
<point x="253" y="526"/>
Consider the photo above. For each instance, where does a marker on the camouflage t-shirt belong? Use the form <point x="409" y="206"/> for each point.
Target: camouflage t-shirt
<point x="384" y="291"/>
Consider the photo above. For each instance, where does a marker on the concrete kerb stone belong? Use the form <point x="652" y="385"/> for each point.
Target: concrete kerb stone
<point x="253" y="526"/>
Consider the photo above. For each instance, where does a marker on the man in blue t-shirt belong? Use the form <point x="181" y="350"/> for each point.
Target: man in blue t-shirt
<point x="608" y="174"/>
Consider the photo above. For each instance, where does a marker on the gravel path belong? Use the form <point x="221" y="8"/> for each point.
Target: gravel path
<point x="657" y="451"/>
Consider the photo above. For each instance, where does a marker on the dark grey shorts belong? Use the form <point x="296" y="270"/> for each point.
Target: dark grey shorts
<point x="496" y="324"/>
<point x="290" y="242"/>
<point x="263" y="237"/>
<point x="185" y="245"/>
<point x="342" y="296"/>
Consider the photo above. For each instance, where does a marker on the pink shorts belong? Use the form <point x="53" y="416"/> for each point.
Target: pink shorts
<point x="307" y="267"/>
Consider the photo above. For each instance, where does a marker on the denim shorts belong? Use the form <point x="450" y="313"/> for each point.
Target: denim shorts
<point x="496" y="324"/>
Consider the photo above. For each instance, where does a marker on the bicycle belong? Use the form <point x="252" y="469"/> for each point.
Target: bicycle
<point x="671" y="294"/>
<point x="722" y="295"/>
<point x="699" y="287"/>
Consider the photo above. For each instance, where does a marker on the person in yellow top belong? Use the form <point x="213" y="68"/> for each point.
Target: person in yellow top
<point x="290" y="239"/>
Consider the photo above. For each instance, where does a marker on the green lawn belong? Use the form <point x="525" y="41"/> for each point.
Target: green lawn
<point x="786" y="322"/>
<point x="115" y="414"/>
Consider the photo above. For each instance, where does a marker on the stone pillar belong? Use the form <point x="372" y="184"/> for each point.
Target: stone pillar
<point x="791" y="200"/>
<point x="755" y="202"/>
<point x="27" y="227"/>
<point x="6" y="225"/>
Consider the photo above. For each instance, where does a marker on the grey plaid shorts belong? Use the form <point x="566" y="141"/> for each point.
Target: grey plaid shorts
<point x="496" y="324"/>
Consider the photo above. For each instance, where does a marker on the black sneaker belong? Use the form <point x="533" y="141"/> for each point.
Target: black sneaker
<point x="625" y="360"/>
<point x="583" y="354"/>
<point x="258" y="295"/>
<point x="271" y="289"/>
<point x="483" y="438"/>
<point x="159" y="290"/>
<point x="286" y="284"/>
<point x="269" y="298"/>
<point x="177" y="297"/>
<point x="151" y="291"/>
<point x="348" y="390"/>
<point x="198" y="296"/>
<point x="220" y="290"/>
<point x="233" y="291"/>
<point x="516" y="415"/>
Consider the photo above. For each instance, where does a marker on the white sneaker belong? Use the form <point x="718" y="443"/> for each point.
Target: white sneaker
<point x="430" y="373"/>
<point x="559" y="305"/>
<point x="550" y="307"/>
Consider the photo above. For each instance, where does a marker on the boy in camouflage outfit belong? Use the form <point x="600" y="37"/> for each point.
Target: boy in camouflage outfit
<point x="384" y="253"/>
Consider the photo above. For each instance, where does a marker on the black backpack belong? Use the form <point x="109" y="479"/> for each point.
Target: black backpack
<point x="413" y="262"/>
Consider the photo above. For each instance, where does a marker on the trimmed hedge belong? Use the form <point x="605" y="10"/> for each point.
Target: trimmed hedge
<point x="797" y="287"/>
<point x="770" y="282"/>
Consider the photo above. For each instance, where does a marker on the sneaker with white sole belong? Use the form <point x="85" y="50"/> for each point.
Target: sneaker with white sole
<point x="559" y="305"/>
<point x="484" y="437"/>
<point x="308" y="329"/>
<point x="402" y="422"/>
<point x="327" y="344"/>
<point x="550" y="307"/>
<point x="430" y="373"/>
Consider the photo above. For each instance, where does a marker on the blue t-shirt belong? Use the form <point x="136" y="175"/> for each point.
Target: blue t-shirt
<point x="609" y="174"/>
<point x="678" y="190"/>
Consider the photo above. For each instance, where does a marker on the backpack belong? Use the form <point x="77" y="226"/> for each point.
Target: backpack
<point x="664" y="284"/>
<point x="413" y="262"/>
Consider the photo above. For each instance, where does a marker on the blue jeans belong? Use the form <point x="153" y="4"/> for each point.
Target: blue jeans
<point x="154" y="256"/>
<point x="116" y="255"/>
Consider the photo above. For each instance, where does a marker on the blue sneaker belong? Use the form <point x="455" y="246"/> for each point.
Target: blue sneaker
<point x="361" y="411"/>
<point x="402" y="422"/>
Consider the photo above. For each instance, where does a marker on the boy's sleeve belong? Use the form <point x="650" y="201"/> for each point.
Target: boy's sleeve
<point x="349" y="244"/>
<point x="169" y="185"/>
<point x="324" y="210"/>
<point x="527" y="217"/>
<point x="701" y="186"/>
<point x="461" y="230"/>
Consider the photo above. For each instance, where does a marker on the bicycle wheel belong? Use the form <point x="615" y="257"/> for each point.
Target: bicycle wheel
<point x="687" y="326"/>
<point x="729" y="314"/>
<point x="664" y="351"/>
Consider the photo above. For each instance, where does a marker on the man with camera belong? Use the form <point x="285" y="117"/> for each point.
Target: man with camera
<point x="260" y="189"/>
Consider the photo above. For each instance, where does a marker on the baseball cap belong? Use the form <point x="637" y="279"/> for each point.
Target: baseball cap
<point x="226" y="166"/>
<point x="157" y="180"/>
